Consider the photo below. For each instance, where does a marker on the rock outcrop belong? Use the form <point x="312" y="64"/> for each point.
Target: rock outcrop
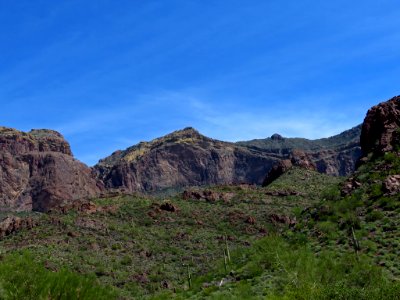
<point x="277" y="170"/>
<point x="12" y="224"/>
<point x="381" y="127"/>
<point x="38" y="171"/>
<point x="183" y="158"/>
<point x="392" y="185"/>
<point x="298" y="158"/>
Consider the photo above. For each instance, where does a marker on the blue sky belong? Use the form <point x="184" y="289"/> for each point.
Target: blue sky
<point x="108" y="74"/>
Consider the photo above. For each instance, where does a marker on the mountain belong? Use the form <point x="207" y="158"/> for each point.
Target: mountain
<point x="38" y="171"/>
<point x="187" y="158"/>
<point x="183" y="158"/>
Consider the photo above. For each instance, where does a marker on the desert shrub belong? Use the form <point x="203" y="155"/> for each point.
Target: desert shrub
<point x="374" y="215"/>
<point x="387" y="203"/>
<point x="376" y="190"/>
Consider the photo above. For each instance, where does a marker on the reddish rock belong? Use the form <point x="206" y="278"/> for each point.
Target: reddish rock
<point x="298" y="158"/>
<point x="38" y="172"/>
<point x="73" y="234"/>
<point x="13" y="224"/>
<point x="84" y="206"/>
<point x="380" y="130"/>
<point x="283" y="193"/>
<point x="168" y="206"/>
<point x="392" y="184"/>
<point x="207" y="195"/>
<point x="277" y="170"/>
<point x="250" y="220"/>
<point x="349" y="186"/>
<point x="274" y="218"/>
<point x="301" y="159"/>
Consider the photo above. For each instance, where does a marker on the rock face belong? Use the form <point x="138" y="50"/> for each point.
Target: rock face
<point x="381" y="127"/>
<point x="38" y="171"/>
<point x="183" y="158"/>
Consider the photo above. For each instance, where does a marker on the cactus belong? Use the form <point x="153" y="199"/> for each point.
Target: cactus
<point x="356" y="244"/>
<point x="189" y="277"/>
<point x="225" y="262"/>
<point x="228" y="254"/>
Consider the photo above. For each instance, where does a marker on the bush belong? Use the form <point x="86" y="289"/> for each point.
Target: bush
<point x="374" y="215"/>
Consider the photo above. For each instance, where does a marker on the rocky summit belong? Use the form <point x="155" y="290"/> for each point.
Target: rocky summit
<point x="38" y="171"/>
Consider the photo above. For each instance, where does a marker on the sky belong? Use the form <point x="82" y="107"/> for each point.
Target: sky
<point x="109" y="74"/>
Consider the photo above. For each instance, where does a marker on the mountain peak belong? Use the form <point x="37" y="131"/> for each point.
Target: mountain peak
<point x="185" y="132"/>
<point x="277" y="137"/>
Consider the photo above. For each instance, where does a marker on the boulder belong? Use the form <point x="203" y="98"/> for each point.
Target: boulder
<point x="391" y="184"/>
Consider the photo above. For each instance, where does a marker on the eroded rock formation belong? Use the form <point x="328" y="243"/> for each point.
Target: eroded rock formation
<point x="381" y="128"/>
<point x="38" y="171"/>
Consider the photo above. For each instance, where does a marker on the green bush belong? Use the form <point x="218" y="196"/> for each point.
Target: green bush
<point x="374" y="215"/>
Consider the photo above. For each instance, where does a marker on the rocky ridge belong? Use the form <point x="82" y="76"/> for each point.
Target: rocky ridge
<point x="336" y="155"/>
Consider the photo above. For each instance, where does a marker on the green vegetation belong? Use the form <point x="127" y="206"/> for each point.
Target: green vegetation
<point x="23" y="277"/>
<point x="277" y="269"/>
<point x="299" y="238"/>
